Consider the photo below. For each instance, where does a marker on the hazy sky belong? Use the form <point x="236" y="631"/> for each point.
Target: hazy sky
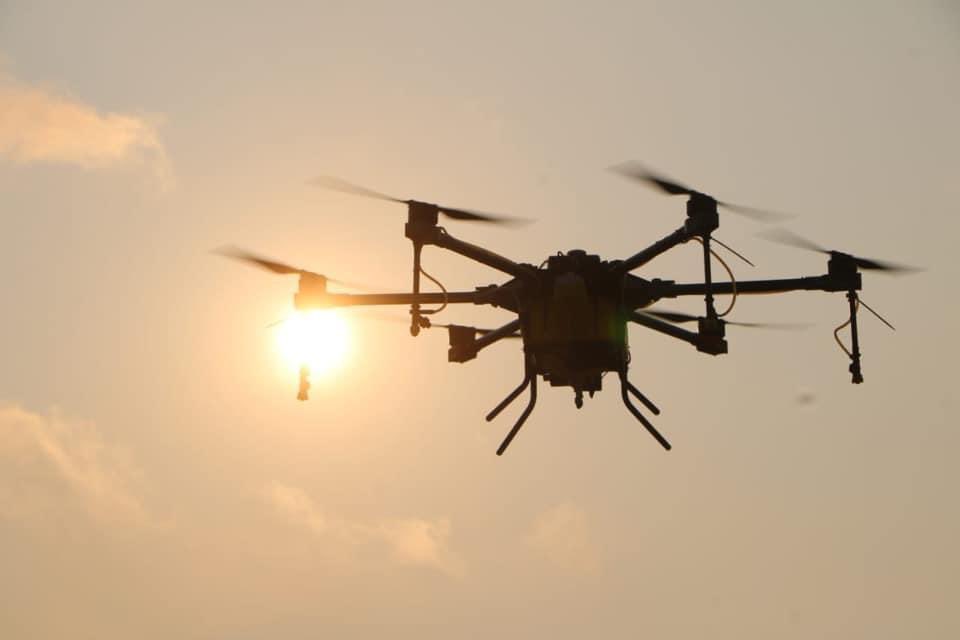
<point x="158" y="479"/>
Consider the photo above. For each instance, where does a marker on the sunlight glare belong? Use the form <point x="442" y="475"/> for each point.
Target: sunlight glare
<point x="319" y="339"/>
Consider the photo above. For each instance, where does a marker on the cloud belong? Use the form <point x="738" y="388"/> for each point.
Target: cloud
<point x="297" y="506"/>
<point x="562" y="537"/>
<point x="38" y="126"/>
<point x="425" y="542"/>
<point x="52" y="467"/>
<point x="411" y="541"/>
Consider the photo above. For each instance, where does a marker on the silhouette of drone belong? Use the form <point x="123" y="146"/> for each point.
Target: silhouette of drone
<point x="573" y="309"/>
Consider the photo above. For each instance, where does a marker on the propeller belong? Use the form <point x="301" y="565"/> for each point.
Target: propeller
<point x="636" y="171"/>
<point x="274" y="266"/>
<point x="679" y="318"/>
<point x="336" y="184"/>
<point x="792" y="239"/>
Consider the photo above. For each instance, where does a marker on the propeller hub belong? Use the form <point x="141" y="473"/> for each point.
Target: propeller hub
<point x="422" y="218"/>
<point x="843" y="268"/>
<point x="311" y="292"/>
<point x="702" y="216"/>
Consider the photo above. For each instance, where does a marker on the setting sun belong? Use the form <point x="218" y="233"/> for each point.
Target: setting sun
<point x="318" y="339"/>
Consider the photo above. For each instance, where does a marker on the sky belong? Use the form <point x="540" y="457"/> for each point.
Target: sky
<point x="158" y="477"/>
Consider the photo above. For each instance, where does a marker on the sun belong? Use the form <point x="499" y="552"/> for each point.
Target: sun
<point x="318" y="339"/>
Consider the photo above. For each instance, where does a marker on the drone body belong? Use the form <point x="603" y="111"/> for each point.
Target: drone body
<point x="574" y="329"/>
<point x="572" y="312"/>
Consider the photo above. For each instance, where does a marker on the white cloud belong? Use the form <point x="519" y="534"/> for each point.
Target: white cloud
<point x="424" y="542"/>
<point x="52" y="467"/>
<point x="297" y="506"/>
<point x="411" y="541"/>
<point x="562" y="536"/>
<point x="39" y="126"/>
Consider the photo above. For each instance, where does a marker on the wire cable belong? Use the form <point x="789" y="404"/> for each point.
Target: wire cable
<point x="879" y="317"/>
<point x="733" y="280"/>
<point x="442" y="288"/>
<point x="732" y="250"/>
<point x="836" y="332"/>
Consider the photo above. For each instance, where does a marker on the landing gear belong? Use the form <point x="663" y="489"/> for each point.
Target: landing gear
<point x="529" y="380"/>
<point x="625" y="390"/>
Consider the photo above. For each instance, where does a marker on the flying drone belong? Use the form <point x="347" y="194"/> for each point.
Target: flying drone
<point x="572" y="311"/>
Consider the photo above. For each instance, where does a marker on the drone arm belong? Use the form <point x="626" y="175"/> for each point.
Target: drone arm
<point x="681" y="235"/>
<point x="665" y="289"/>
<point x="464" y="345"/>
<point x="638" y="292"/>
<point x="444" y="240"/>
<point x="665" y="327"/>
<point x="370" y="299"/>
<point x="496" y="335"/>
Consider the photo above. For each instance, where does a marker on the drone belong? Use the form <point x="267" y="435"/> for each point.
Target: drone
<point x="572" y="311"/>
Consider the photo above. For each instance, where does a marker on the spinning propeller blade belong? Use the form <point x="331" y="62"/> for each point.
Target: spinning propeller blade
<point x="264" y="263"/>
<point x="274" y="266"/>
<point x="336" y="184"/>
<point x="679" y="318"/>
<point x="636" y="171"/>
<point x="669" y="316"/>
<point x="792" y="239"/>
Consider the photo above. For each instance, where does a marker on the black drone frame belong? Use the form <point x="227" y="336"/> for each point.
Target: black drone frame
<point x="423" y="230"/>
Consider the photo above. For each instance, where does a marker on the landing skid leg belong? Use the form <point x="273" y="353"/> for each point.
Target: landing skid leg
<point x="625" y="389"/>
<point x="523" y="416"/>
<point x="642" y="398"/>
<point x="529" y="380"/>
<point x="510" y="398"/>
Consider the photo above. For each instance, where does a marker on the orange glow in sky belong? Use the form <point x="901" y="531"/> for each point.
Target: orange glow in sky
<point x="319" y="339"/>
